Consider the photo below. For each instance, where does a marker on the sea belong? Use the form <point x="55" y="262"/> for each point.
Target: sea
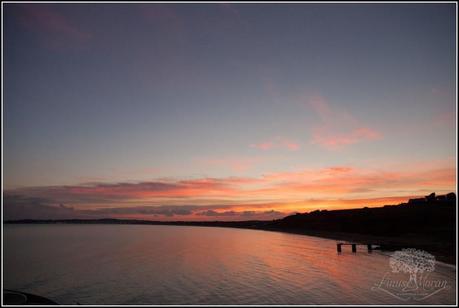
<point x="186" y="265"/>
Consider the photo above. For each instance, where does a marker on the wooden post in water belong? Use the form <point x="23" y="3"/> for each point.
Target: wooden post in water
<point x="338" y="247"/>
<point x="370" y="248"/>
<point x="354" y="248"/>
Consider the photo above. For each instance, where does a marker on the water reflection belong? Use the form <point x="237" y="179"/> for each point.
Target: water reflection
<point x="122" y="264"/>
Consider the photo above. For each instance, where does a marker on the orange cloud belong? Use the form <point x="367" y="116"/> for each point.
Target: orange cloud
<point x="178" y="189"/>
<point x="21" y="207"/>
<point x="265" y="196"/>
<point x="330" y="187"/>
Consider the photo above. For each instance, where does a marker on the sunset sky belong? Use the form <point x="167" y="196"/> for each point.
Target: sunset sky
<point x="225" y="111"/>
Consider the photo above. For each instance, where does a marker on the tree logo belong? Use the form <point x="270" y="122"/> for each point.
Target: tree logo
<point x="409" y="276"/>
<point x="414" y="262"/>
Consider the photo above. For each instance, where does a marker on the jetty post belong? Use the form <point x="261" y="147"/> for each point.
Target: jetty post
<point x="354" y="248"/>
<point x="370" y="247"/>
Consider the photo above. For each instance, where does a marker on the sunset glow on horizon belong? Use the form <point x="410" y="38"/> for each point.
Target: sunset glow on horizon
<point x="225" y="111"/>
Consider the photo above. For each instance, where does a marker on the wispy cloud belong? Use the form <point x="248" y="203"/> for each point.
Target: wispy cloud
<point x="444" y="119"/>
<point x="277" y="143"/>
<point x="162" y="17"/>
<point x="336" y="140"/>
<point x="54" y="29"/>
<point x="291" y="145"/>
<point x="263" y="145"/>
<point x="337" y="129"/>
<point x="236" y="164"/>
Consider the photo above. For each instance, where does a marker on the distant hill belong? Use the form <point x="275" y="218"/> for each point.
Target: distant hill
<point x="427" y="223"/>
<point x="432" y="215"/>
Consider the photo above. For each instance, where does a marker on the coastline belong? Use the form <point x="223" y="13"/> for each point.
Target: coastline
<point x="386" y="243"/>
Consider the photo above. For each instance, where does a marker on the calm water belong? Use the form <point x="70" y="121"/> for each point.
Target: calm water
<point x="128" y="264"/>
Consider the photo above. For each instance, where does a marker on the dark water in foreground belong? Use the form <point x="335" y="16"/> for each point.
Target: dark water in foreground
<point x="129" y="264"/>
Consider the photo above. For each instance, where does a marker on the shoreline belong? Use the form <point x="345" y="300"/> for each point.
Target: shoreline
<point x="386" y="243"/>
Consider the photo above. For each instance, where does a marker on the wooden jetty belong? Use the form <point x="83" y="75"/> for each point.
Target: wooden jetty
<point x="370" y="247"/>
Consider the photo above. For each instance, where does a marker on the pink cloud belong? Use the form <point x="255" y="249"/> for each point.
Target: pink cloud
<point x="291" y="145"/>
<point x="318" y="182"/>
<point x="337" y="141"/>
<point x="442" y="92"/>
<point x="263" y="145"/>
<point x="282" y="191"/>
<point x="236" y="164"/>
<point x="55" y="29"/>
<point x="320" y="106"/>
<point x="338" y="129"/>
<point x="162" y="16"/>
<point x="444" y="119"/>
<point x="277" y="143"/>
